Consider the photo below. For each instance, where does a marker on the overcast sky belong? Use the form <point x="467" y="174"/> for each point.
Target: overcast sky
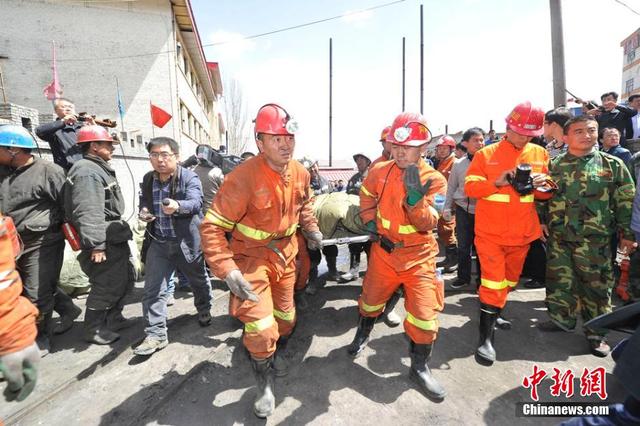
<point x="481" y="58"/>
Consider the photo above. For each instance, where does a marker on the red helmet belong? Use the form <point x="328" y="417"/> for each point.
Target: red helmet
<point x="385" y="133"/>
<point x="272" y="119"/>
<point x="409" y="129"/>
<point x="94" y="133"/>
<point x="447" y="140"/>
<point x="526" y="119"/>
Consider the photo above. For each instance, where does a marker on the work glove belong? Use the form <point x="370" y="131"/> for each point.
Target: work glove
<point x="20" y="369"/>
<point x="239" y="286"/>
<point x="415" y="190"/>
<point x="314" y="240"/>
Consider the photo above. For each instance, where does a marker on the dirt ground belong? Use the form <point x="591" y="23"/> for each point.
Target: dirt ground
<point x="204" y="377"/>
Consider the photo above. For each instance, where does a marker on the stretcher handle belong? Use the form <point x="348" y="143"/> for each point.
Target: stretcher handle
<point x="346" y="240"/>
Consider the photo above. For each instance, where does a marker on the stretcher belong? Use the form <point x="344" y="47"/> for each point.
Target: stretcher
<point x="346" y="240"/>
<point x="339" y="219"/>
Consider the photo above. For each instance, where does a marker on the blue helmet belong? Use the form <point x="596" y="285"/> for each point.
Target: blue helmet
<point x="16" y="136"/>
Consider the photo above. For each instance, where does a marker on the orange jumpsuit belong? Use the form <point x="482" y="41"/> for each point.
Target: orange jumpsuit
<point x="17" y="314"/>
<point x="262" y="209"/>
<point x="303" y="262"/>
<point x="506" y="222"/>
<point x="446" y="230"/>
<point x="380" y="159"/>
<point x="412" y="261"/>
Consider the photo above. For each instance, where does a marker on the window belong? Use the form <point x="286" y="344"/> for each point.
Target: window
<point x="631" y="55"/>
<point x="629" y="86"/>
<point x="26" y="123"/>
<point x="139" y="140"/>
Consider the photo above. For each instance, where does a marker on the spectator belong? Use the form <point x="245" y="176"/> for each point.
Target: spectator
<point x="553" y="123"/>
<point x="171" y="203"/>
<point x="579" y="221"/>
<point x="633" y="125"/>
<point x="491" y="137"/>
<point x="613" y="115"/>
<point x="446" y="227"/>
<point x="461" y="150"/>
<point x="340" y="186"/>
<point x="61" y="133"/>
<point x="247" y="155"/>
<point x="611" y="145"/>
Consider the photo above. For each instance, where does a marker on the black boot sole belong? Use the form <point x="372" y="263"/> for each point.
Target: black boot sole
<point x="483" y="361"/>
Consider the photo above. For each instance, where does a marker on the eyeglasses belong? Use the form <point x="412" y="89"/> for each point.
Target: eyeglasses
<point x="163" y="155"/>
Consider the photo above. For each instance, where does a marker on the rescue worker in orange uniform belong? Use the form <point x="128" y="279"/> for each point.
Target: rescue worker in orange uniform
<point x="261" y="203"/>
<point x="386" y="147"/>
<point x="398" y="205"/>
<point x="446" y="228"/>
<point x="19" y="354"/>
<point x="506" y="177"/>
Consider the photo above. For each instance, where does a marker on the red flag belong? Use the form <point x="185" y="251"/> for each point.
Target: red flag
<point x="54" y="89"/>
<point x="159" y="117"/>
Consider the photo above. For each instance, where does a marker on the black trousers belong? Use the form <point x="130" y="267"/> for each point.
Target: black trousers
<point x="535" y="264"/>
<point x="39" y="267"/>
<point x="465" y="223"/>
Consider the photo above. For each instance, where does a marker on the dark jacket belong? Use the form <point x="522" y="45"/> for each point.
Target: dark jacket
<point x="62" y="140"/>
<point x="623" y="154"/>
<point x="32" y="197"/>
<point x="320" y="185"/>
<point x="354" y="184"/>
<point x="186" y="189"/>
<point x="617" y="118"/>
<point x="94" y="204"/>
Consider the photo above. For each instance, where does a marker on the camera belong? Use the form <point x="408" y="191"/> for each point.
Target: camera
<point x="522" y="181"/>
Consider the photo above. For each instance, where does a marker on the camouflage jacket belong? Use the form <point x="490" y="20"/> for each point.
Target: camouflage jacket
<point x="594" y="198"/>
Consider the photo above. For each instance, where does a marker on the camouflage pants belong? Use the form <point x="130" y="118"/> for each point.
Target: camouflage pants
<point x="579" y="278"/>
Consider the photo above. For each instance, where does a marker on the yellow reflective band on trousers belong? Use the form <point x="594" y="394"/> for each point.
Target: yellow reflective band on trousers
<point x="498" y="198"/>
<point x="257" y="234"/>
<point x="497" y="285"/>
<point x="365" y="191"/>
<point x="474" y="178"/>
<point x="285" y="316"/>
<point x="402" y="229"/>
<point x="429" y="325"/>
<point x="259" y="325"/>
<point x="371" y="308"/>
<point x="219" y="220"/>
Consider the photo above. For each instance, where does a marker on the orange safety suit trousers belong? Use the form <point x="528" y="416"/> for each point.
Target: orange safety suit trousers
<point x="303" y="263"/>
<point x="447" y="232"/>
<point x="274" y="315"/>
<point x="501" y="268"/>
<point x="424" y="297"/>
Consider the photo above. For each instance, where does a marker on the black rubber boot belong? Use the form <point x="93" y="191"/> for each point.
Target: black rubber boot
<point x="365" y="325"/>
<point x="95" y="330"/>
<point x="67" y="310"/>
<point x="333" y="274"/>
<point x="390" y="318"/>
<point x="450" y="262"/>
<point x="312" y="284"/>
<point x="43" y="338"/>
<point x="265" y="401"/>
<point x="486" y="354"/>
<point x="280" y="365"/>
<point x="421" y="374"/>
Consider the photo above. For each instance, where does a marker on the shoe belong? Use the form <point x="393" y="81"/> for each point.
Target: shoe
<point x="365" y="325"/>
<point x="348" y="277"/>
<point x="171" y="300"/>
<point x="485" y="353"/>
<point x="204" y="318"/>
<point x="450" y="262"/>
<point x="44" y="345"/>
<point x="265" y="401"/>
<point x="599" y="347"/>
<point x="43" y="325"/>
<point x="95" y="330"/>
<point x="549" y="326"/>
<point x="532" y="284"/>
<point x="149" y="346"/>
<point x="300" y="300"/>
<point x="391" y="319"/>
<point x="458" y="283"/>
<point x="332" y="274"/>
<point x="503" y="324"/>
<point x="66" y="320"/>
<point x="421" y="374"/>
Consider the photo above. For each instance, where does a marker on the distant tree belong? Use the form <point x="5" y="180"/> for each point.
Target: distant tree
<point x="237" y="122"/>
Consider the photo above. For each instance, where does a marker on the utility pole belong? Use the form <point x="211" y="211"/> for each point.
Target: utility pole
<point x="557" y="53"/>
<point x="421" y="62"/>
<point x="330" y="100"/>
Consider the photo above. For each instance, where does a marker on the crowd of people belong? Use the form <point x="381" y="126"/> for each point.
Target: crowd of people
<point x="553" y="199"/>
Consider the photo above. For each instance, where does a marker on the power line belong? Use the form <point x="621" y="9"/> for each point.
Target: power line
<point x="140" y="55"/>
<point x="627" y="6"/>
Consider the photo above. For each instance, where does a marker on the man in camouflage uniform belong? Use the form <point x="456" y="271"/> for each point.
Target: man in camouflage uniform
<point x="593" y="200"/>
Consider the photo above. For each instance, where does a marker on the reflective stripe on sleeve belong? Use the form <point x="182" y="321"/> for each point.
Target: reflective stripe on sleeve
<point x="498" y="198"/>
<point x="219" y="220"/>
<point x="365" y="191"/>
<point x="474" y="178"/>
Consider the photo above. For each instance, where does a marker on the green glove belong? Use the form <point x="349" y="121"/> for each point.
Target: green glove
<point x="415" y="189"/>
<point x="372" y="229"/>
<point x="20" y="370"/>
